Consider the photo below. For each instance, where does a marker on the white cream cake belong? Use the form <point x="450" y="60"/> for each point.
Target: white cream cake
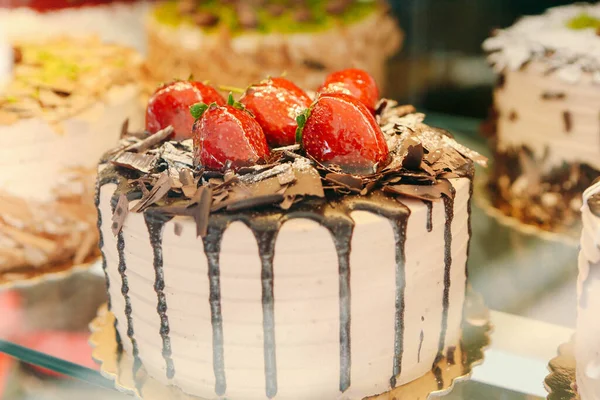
<point x="223" y="288"/>
<point x="546" y="116"/>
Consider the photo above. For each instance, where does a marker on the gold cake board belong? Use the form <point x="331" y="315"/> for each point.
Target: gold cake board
<point x="475" y="339"/>
<point x="560" y="383"/>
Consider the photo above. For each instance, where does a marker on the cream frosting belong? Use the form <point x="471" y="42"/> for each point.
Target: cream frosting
<point x="587" y="345"/>
<point x="35" y="159"/>
<point x="306" y="301"/>
<point x="529" y="116"/>
<point x="564" y="51"/>
<point x="114" y="23"/>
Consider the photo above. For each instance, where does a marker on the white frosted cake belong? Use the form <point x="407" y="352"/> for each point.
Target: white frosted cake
<point x="546" y="107"/>
<point x="119" y="22"/>
<point x="587" y="346"/>
<point x="246" y="42"/>
<point x="286" y="276"/>
<point x="61" y="108"/>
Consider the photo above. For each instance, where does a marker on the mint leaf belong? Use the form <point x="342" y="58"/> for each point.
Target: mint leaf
<point x="301" y="121"/>
<point x="198" y="109"/>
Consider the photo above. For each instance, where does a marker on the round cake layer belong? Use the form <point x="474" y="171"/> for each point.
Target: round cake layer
<point x="587" y="345"/>
<point x="252" y="313"/>
<point x="120" y="23"/>
<point x="306" y="58"/>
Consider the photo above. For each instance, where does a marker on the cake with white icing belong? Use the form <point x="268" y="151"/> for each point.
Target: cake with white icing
<point x="546" y="119"/>
<point x="61" y="107"/>
<point x="119" y="22"/>
<point x="587" y="348"/>
<point x="246" y="41"/>
<point x="241" y="270"/>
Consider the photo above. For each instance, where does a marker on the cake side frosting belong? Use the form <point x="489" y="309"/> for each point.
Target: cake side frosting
<point x="587" y="348"/>
<point x="312" y="354"/>
<point x="564" y="39"/>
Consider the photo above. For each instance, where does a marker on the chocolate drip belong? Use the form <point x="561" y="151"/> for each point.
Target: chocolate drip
<point x="266" y="237"/>
<point x="429" y="205"/>
<point x="470" y="231"/>
<point x="439" y="378"/>
<point x="421" y="338"/>
<point x="155" y="223"/>
<point x="137" y="362"/>
<point x="449" y="207"/>
<point x="212" y="249"/>
<point x="450" y="355"/>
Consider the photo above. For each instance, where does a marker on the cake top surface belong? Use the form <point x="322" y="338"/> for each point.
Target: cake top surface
<point x="277" y="150"/>
<point x="566" y="39"/>
<point x="59" y="78"/>
<point x="268" y="16"/>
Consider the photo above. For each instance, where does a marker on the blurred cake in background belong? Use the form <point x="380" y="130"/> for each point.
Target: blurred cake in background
<point x="587" y="345"/>
<point x="119" y="21"/>
<point x="63" y="105"/>
<point x="546" y="133"/>
<point x="236" y="42"/>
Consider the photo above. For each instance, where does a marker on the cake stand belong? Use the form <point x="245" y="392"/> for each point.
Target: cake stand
<point x="438" y="382"/>
<point x="30" y="277"/>
<point x="560" y="383"/>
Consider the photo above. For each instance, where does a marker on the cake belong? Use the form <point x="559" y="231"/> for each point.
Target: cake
<point x="62" y="106"/>
<point x="242" y="270"/>
<point x="119" y="21"/>
<point x="586" y="339"/>
<point x="546" y="102"/>
<point x="236" y="42"/>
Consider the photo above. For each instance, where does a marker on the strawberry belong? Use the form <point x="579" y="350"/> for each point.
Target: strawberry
<point x="227" y="133"/>
<point x="339" y="129"/>
<point x="170" y="105"/>
<point x="275" y="103"/>
<point x="354" y="82"/>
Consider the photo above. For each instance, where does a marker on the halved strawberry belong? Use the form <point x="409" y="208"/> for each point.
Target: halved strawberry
<point x="170" y="105"/>
<point x="353" y="82"/>
<point x="339" y="129"/>
<point x="275" y="103"/>
<point x="227" y="133"/>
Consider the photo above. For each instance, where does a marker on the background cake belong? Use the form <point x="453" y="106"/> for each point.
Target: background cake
<point x="587" y="348"/>
<point x="237" y="42"/>
<point x="290" y="278"/>
<point x="546" y="102"/>
<point x="61" y="108"/>
<point x="119" y="21"/>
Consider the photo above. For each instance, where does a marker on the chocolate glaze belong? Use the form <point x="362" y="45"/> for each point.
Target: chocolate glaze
<point x="429" y="205"/>
<point x="449" y="207"/>
<point x="334" y="215"/>
<point x="155" y="222"/>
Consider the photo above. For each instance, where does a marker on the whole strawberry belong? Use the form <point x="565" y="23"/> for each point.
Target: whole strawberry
<point x="170" y="105"/>
<point x="225" y="134"/>
<point x="339" y="129"/>
<point x="353" y="82"/>
<point x="275" y="103"/>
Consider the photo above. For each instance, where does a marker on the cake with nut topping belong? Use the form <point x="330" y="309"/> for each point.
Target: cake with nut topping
<point x="61" y="107"/>
<point x="545" y="124"/>
<point x="236" y="42"/>
<point x="283" y="246"/>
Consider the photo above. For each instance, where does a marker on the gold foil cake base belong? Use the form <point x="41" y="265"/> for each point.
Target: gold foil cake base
<point x="438" y="382"/>
<point x="560" y="383"/>
<point x="483" y="200"/>
<point x="23" y="278"/>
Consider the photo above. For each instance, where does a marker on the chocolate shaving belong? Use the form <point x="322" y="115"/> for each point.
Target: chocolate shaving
<point x="348" y="181"/>
<point x="414" y="156"/>
<point x="151" y="140"/>
<point x="202" y="202"/>
<point x="159" y="191"/>
<point x="189" y="184"/>
<point x="124" y="128"/>
<point x="139" y="162"/>
<point x="253" y="202"/>
<point x="568" y="121"/>
<point x="120" y="214"/>
<point x="427" y="193"/>
<point x="553" y="96"/>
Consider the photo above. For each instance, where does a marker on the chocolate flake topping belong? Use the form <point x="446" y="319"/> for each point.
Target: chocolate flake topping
<point x="422" y="158"/>
<point x="120" y="214"/>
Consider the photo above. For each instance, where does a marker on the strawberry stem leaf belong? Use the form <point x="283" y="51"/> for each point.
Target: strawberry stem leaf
<point x="198" y="109"/>
<point x="301" y="121"/>
<point x="232" y="89"/>
<point x="235" y="104"/>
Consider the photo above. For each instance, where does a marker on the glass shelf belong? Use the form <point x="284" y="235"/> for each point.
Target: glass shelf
<point x="519" y="276"/>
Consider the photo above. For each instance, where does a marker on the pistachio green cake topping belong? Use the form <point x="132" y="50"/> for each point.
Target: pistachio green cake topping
<point x="583" y="21"/>
<point x="269" y="16"/>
